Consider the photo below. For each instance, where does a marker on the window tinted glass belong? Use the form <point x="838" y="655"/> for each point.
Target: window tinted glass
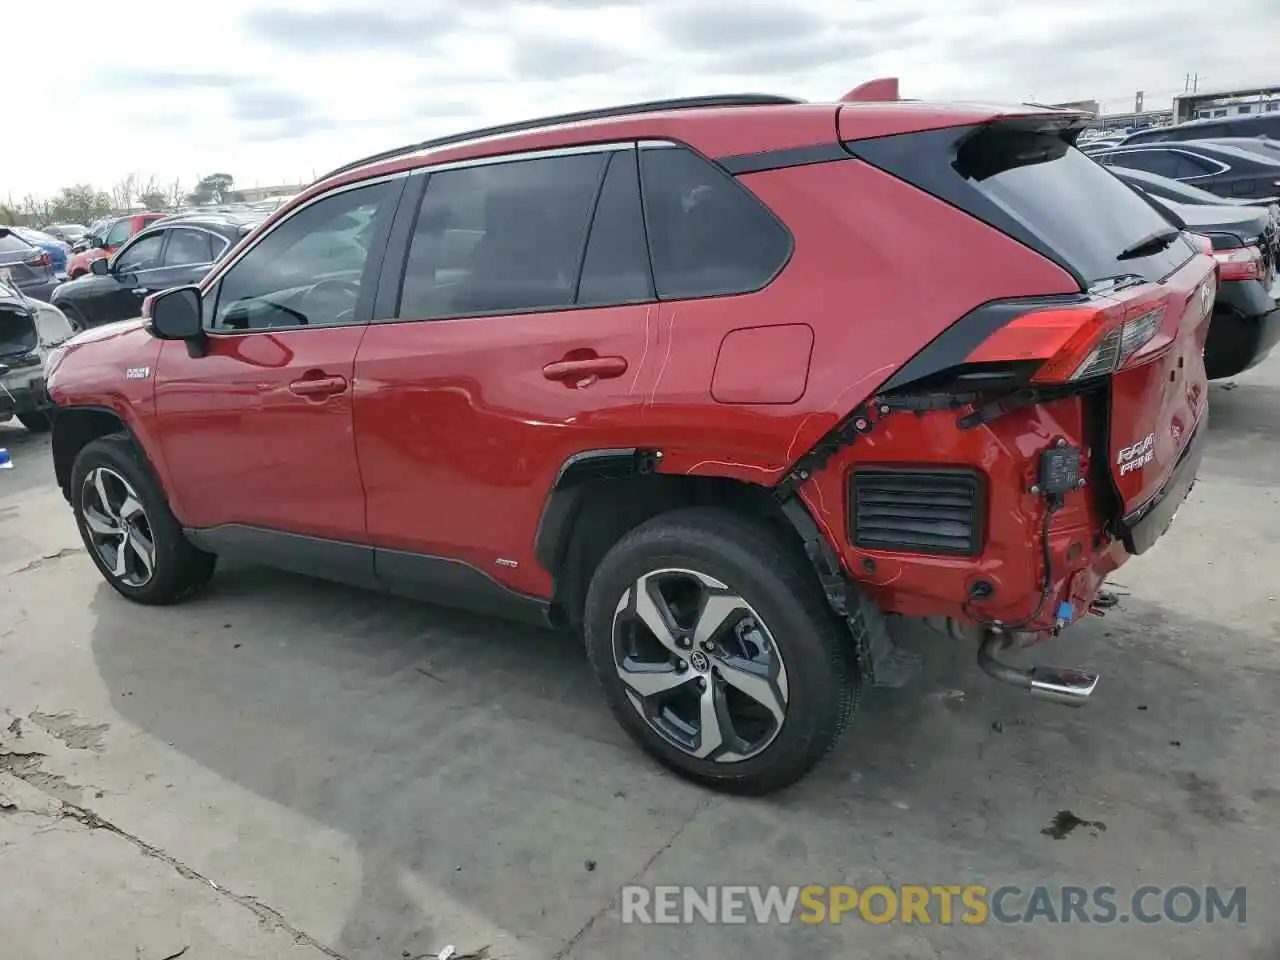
<point x="143" y="255"/>
<point x="187" y="247"/>
<point x="1163" y="162"/>
<point x="1076" y="209"/>
<point x="616" y="267"/>
<point x="500" y="238"/>
<point x="305" y="272"/>
<point x="118" y="233"/>
<point x="1193" y="166"/>
<point x="707" y="234"/>
<point x="12" y="243"/>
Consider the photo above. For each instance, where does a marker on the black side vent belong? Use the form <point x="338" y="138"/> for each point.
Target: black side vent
<point x="919" y="511"/>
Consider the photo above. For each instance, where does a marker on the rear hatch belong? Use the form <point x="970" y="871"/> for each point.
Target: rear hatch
<point x="24" y="263"/>
<point x="1138" y="325"/>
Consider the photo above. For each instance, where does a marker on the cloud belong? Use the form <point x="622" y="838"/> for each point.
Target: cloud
<point x="720" y="25"/>
<point x="560" y="58"/>
<point x="356" y="29"/>
<point x="150" y="79"/>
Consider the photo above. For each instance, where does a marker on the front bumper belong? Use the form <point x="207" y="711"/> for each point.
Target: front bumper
<point x="23" y="391"/>
<point x="1142" y="528"/>
<point x="1245" y="328"/>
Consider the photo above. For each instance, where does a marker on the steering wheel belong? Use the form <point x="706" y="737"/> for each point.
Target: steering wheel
<point x="331" y="298"/>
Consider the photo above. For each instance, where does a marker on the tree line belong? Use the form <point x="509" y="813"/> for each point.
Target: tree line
<point x="84" y="203"/>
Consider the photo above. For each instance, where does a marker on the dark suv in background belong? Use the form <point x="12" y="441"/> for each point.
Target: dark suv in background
<point x="1258" y="125"/>
<point x="172" y="252"/>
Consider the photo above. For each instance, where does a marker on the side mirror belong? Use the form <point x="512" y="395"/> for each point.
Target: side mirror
<point x="98" y="243"/>
<point x="176" y="315"/>
<point x="100" y="267"/>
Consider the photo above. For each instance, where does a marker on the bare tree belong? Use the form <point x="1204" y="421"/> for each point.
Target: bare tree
<point x="123" y="193"/>
<point x="38" y="210"/>
<point x="175" y="193"/>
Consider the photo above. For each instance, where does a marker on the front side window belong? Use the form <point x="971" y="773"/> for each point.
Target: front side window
<point x="142" y="255"/>
<point x="306" y="272"/>
<point x="501" y="238"/>
<point x="707" y="235"/>
<point x="120" y="232"/>
<point x="189" y="247"/>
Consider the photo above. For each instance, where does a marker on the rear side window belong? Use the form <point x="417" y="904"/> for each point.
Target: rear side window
<point x="1163" y="162"/>
<point x="187" y="247"/>
<point x="501" y="238"/>
<point x="708" y="236"/>
<point x="1064" y="199"/>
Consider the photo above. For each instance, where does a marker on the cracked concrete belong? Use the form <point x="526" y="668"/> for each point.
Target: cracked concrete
<point x="282" y="768"/>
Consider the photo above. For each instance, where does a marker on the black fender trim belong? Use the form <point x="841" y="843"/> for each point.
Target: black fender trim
<point x="563" y="503"/>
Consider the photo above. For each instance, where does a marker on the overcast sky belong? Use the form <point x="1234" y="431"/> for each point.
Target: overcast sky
<point x="276" y="90"/>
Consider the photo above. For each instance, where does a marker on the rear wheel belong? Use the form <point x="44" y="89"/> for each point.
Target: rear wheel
<point x="716" y="651"/>
<point x="127" y="527"/>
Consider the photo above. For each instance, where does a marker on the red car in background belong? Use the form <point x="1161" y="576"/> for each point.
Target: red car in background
<point x="110" y="241"/>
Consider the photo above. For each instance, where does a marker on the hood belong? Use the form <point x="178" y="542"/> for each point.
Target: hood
<point x="107" y="331"/>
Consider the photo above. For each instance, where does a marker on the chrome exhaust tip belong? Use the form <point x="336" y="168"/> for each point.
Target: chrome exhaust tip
<point x="1065" y="685"/>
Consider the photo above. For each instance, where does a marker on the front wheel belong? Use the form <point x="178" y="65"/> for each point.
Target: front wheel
<point x="717" y="652"/>
<point x="131" y="535"/>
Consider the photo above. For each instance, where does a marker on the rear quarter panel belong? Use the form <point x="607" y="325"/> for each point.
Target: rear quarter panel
<point x="879" y="269"/>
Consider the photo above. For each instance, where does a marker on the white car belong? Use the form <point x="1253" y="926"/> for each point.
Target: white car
<point x="30" y="330"/>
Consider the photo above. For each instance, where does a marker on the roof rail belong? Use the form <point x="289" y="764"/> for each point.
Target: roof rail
<point x="625" y="110"/>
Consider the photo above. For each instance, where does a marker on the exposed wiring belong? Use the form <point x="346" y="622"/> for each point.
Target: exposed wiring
<point x="1054" y="505"/>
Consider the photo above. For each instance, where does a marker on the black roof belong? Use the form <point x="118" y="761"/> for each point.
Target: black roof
<point x="230" y="224"/>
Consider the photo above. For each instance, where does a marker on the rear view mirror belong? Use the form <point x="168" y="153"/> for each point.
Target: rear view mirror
<point x="176" y="315"/>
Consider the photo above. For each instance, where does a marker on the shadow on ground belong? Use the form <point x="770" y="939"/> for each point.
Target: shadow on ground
<point x="480" y="755"/>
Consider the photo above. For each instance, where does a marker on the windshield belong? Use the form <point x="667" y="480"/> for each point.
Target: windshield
<point x="1071" y="204"/>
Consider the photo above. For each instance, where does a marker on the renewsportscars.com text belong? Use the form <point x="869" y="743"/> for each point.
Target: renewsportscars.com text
<point x="932" y="904"/>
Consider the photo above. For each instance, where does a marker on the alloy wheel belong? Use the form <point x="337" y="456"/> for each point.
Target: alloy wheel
<point x="699" y="665"/>
<point x="118" y="528"/>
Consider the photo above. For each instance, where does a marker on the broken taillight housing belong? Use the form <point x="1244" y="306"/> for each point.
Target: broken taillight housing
<point x="1240" y="263"/>
<point x="1074" y="343"/>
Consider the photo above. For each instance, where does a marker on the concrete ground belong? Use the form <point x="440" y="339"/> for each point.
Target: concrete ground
<point x="284" y="768"/>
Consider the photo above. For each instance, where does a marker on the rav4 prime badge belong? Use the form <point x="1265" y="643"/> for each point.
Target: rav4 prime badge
<point x="1138" y="455"/>
<point x="137" y="373"/>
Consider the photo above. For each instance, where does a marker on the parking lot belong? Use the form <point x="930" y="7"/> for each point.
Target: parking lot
<point x="285" y="768"/>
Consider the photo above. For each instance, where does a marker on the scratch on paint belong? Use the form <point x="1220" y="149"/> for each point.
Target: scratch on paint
<point x="648" y="311"/>
<point x="836" y="405"/>
<point x="666" y="357"/>
<point x="730" y="463"/>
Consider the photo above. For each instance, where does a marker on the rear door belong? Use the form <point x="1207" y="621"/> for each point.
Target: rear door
<point x="518" y="338"/>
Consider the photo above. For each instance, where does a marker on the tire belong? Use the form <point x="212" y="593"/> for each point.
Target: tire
<point x="736" y="562"/>
<point x="74" y="318"/>
<point x="111" y="468"/>
<point x="37" y="421"/>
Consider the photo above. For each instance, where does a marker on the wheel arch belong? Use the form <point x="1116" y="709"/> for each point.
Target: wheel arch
<point x="76" y="427"/>
<point x="601" y="495"/>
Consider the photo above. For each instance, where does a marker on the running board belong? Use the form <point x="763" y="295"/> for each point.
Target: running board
<point x="1065" y="685"/>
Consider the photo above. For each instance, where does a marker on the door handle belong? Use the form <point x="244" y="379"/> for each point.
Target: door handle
<point x="318" y="387"/>
<point x="585" y="368"/>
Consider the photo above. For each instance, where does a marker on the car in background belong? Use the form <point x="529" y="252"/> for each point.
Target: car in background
<point x="1245" y="241"/>
<point x="29" y="267"/>
<point x="97" y="228"/>
<point x="57" y="250"/>
<point x="109" y="240"/>
<point x="176" y="251"/>
<point x="1258" y="125"/>
<point x="30" y="331"/>
<point x="68" y="233"/>
<point x="1227" y="171"/>
<point x="1157" y="186"/>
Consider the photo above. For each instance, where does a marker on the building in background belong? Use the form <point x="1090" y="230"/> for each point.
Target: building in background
<point x="1243" y="101"/>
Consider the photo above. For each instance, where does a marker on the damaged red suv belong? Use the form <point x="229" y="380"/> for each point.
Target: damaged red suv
<point x="718" y="382"/>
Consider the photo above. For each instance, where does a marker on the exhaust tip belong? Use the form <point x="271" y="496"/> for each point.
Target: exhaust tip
<point x="1065" y="685"/>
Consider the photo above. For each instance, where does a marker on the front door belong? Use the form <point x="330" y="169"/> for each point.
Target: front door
<point x="257" y="433"/>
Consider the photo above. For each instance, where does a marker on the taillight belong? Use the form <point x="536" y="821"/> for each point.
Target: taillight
<point x="1202" y="243"/>
<point x="1242" y="263"/>
<point x="40" y="259"/>
<point x="1075" y="343"/>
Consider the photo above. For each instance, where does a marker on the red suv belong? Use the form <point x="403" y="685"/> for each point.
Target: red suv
<point x="109" y="241"/>
<point x="719" y="382"/>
